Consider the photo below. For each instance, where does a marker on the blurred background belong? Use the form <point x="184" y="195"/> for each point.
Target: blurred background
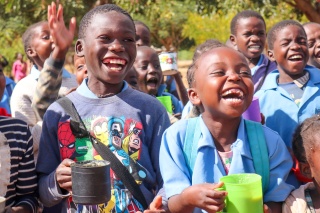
<point x="175" y="25"/>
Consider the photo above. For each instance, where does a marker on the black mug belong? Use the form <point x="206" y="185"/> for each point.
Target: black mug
<point x="91" y="182"/>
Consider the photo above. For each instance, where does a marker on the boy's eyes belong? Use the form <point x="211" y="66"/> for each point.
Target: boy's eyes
<point x="46" y="37"/>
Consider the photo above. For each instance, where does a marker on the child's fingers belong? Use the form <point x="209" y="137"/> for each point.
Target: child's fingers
<point x="54" y="9"/>
<point x="60" y="13"/>
<point x="218" y="185"/>
<point x="156" y="203"/>
<point x="49" y="12"/>
<point x="72" y="25"/>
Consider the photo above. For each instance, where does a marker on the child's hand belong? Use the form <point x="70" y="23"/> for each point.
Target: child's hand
<point x="266" y="209"/>
<point x="155" y="206"/>
<point x="61" y="36"/>
<point x="63" y="175"/>
<point x="205" y="196"/>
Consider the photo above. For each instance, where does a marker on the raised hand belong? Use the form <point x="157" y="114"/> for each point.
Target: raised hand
<point x="61" y="36"/>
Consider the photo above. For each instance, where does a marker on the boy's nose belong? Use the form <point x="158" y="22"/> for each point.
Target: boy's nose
<point x="116" y="47"/>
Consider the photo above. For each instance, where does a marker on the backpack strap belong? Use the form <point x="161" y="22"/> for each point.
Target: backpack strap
<point x="259" y="151"/>
<point x="257" y="143"/>
<point x="190" y="145"/>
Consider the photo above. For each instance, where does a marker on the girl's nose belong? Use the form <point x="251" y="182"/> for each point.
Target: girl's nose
<point x="234" y="76"/>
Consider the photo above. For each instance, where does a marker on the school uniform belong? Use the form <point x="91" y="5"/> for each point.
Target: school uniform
<point x="208" y="167"/>
<point x="282" y="112"/>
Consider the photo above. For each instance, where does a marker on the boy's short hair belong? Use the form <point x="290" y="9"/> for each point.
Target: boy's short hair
<point x="241" y="15"/>
<point x="305" y="137"/>
<point x="27" y="36"/>
<point x="137" y="22"/>
<point x="202" y="48"/>
<point x="86" y="20"/>
<point x="272" y="34"/>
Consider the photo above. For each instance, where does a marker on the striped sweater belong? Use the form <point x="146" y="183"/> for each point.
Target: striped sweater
<point x="18" y="180"/>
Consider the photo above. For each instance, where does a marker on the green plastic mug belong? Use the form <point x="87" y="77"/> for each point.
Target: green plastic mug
<point x="244" y="193"/>
<point x="166" y="102"/>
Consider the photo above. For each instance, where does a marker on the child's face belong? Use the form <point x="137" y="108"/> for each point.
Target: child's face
<point x="250" y="37"/>
<point x="132" y="78"/>
<point x="109" y="47"/>
<point x="80" y="65"/>
<point x="142" y="36"/>
<point x="290" y="52"/>
<point x="148" y="68"/>
<point x="222" y="85"/>
<point x="313" y="34"/>
<point x="41" y="44"/>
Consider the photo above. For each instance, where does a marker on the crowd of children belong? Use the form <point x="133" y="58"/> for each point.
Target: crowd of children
<point x="114" y="93"/>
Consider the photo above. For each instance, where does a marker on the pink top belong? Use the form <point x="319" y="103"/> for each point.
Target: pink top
<point x="18" y="70"/>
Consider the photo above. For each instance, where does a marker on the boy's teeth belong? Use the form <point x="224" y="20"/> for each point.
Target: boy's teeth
<point x="115" y="68"/>
<point x="296" y="57"/>
<point x="117" y="61"/>
<point x="254" y="47"/>
<point x="114" y="61"/>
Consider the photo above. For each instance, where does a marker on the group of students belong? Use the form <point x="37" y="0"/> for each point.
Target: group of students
<point x="114" y="93"/>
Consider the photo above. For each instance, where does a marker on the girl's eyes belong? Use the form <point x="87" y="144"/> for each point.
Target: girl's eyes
<point x="245" y="73"/>
<point x="218" y="73"/>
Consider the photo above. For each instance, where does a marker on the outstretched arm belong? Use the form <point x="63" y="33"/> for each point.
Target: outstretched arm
<point x="50" y="78"/>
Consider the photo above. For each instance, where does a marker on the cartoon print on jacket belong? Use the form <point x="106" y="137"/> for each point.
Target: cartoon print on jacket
<point x="122" y="136"/>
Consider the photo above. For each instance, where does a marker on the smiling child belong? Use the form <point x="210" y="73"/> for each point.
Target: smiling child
<point x="222" y="89"/>
<point x="117" y="115"/>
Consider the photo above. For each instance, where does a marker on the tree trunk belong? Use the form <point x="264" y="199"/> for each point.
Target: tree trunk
<point x="310" y="10"/>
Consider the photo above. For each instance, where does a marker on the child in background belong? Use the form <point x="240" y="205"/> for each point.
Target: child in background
<point x="143" y="35"/>
<point x="119" y="116"/>
<point x="147" y="66"/>
<point x="313" y="34"/>
<point x="132" y="78"/>
<point x="306" y="148"/>
<point x="81" y="68"/>
<point x="222" y="89"/>
<point x="291" y="93"/>
<point x="19" y="68"/>
<point x="173" y="82"/>
<point x="10" y="84"/>
<point x="40" y="44"/>
<point x="248" y="35"/>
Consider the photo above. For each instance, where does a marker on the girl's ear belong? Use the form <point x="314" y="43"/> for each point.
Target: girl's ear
<point x="271" y="55"/>
<point x="193" y="97"/>
<point x="305" y="170"/>
<point x="79" y="48"/>
<point x="233" y="41"/>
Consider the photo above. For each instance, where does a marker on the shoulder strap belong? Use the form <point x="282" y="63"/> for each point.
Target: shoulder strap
<point x="258" y="147"/>
<point x="120" y="170"/>
<point x="259" y="151"/>
<point x="190" y="144"/>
